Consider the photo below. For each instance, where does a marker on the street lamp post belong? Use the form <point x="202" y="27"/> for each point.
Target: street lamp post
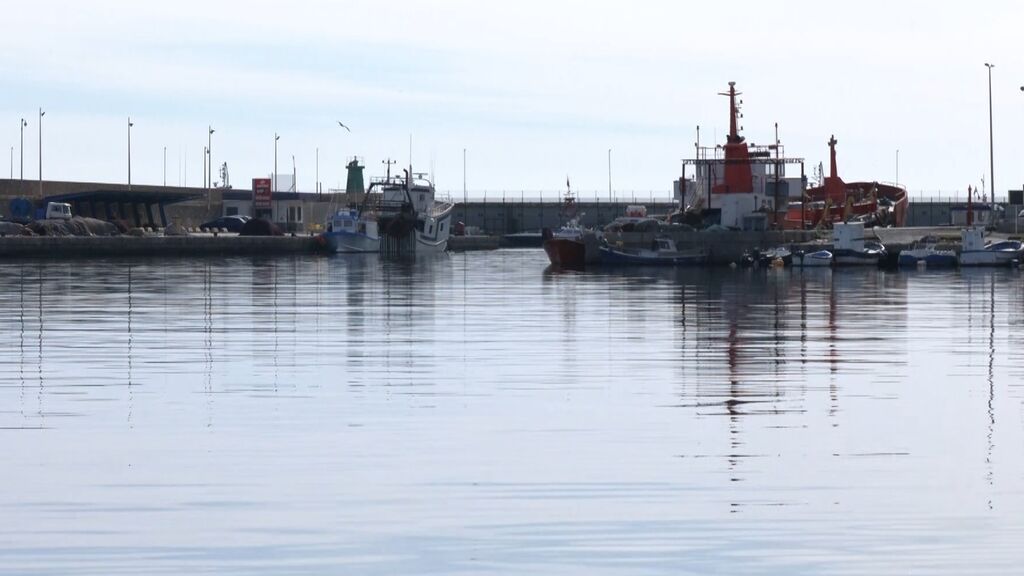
<point x="41" y="114"/>
<point x="165" y="165"/>
<point x="274" y="175"/>
<point x="609" y="175"/>
<point x="21" y="149"/>
<point x="991" y="154"/>
<point x="130" y="153"/>
<point x="209" y="153"/>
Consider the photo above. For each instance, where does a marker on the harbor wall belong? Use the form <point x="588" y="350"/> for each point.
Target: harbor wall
<point x="496" y="216"/>
<point x="101" y="246"/>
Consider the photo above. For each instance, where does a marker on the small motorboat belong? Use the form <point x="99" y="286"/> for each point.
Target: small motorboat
<point x="927" y="253"/>
<point x="773" y="257"/>
<point x="976" y="252"/>
<point x="818" y="259"/>
<point x="662" y="252"/>
<point x="850" y="248"/>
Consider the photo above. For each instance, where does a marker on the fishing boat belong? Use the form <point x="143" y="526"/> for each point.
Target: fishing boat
<point x="851" y="249"/>
<point x="975" y="252"/>
<point x="349" y="232"/>
<point x="835" y="201"/>
<point x="571" y="245"/>
<point x="927" y="253"/>
<point x="816" y="259"/>
<point x="662" y="252"/>
<point x="411" y="219"/>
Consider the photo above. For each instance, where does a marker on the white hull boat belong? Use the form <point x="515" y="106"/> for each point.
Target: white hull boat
<point x="976" y="252"/>
<point x="819" y="259"/>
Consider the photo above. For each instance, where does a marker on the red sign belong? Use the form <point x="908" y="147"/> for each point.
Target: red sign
<point x="261" y="193"/>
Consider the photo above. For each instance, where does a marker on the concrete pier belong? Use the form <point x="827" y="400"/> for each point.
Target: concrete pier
<point x="173" y="246"/>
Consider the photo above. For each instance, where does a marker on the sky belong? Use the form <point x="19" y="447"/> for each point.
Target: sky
<point x="533" y="91"/>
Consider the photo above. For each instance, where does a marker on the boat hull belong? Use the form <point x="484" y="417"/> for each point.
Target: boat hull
<point x="435" y="239"/>
<point x="565" y="252"/>
<point x="930" y="259"/>
<point x="349" y="243"/>
<point x="989" y="258"/>
<point x="614" y="257"/>
<point x="821" y="259"/>
<point x="856" y="258"/>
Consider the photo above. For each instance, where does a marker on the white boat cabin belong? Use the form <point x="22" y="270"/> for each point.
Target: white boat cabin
<point x="350" y="222"/>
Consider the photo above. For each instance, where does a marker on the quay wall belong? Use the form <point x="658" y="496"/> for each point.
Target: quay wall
<point x="95" y="246"/>
<point x="495" y="215"/>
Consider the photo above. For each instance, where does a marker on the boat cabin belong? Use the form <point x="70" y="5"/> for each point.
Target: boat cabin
<point x="350" y="222"/>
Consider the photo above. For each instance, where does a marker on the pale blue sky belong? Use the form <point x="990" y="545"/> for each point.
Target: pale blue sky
<point x="534" y="90"/>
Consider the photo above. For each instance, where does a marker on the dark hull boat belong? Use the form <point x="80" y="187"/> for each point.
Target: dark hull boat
<point x="663" y="252"/>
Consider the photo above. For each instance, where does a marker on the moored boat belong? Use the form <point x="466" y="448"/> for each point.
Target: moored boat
<point x="411" y="219"/>
<point x="662" y="252"/>
<point x="975" y="252"/>
<point x="349" y="232"/>
<point x="765" y="258"/>
<point x="851" y="249"/>
<point x="816" y="259"/>
<point x="571" y="246"/>
<point x="928" y="254"/>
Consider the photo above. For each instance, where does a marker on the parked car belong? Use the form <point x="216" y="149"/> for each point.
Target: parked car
<point x="229" y="223"/>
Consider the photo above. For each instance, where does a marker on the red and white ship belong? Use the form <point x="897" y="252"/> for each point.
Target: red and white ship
<point x="747" y="186"/>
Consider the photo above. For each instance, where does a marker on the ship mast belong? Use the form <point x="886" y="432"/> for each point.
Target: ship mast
<point x="739" y="178"/>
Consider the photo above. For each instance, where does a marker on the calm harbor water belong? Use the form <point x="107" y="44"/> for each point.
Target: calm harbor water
<point x="481" y="414"/>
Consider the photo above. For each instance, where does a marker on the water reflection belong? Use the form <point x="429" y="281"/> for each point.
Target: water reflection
<point x="483" y="414"/>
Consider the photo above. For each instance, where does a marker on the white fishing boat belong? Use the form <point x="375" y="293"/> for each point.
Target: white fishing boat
<point x="850" y="248"/>
<point x="976" y="252"/>
<point x="411" y="219"/>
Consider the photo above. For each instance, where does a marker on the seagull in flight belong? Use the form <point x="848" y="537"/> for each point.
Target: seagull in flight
<point x="343" y="126"/>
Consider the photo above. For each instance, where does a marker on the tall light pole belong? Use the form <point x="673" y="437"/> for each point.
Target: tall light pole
<point x="12" y="162"/>
<point x="209" y="153"/>
<point x="609" y="175"/>
<point x="21" y="149"/>
<point x="165" y="165"/>
<point x="991" y="154"/>
<point x="130" y="153"/>
<point x="41" y="114"/>
<point x="274" y="175"/>
<point x="897" y="166"/>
